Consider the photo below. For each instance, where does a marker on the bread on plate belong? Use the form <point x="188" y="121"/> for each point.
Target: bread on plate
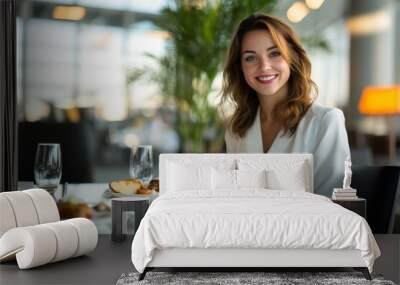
<point x="126" y="186"/>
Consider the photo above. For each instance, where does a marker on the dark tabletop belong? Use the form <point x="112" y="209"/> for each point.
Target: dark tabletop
<point x="102" y="266"/>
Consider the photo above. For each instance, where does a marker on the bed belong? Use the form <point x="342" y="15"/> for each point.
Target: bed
<point x="245" y="211"/>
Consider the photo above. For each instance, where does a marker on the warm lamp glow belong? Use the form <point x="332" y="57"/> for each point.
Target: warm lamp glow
<point x="72" y="13"/>
<point x="383" y="101"/>
<point x="380" y="101"/>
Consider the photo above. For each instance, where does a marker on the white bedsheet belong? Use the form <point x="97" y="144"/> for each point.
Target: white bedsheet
<point x="252" y="218"/>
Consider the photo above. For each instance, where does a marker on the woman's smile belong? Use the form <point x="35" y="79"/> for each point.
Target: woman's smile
<point x="267" y="79"/>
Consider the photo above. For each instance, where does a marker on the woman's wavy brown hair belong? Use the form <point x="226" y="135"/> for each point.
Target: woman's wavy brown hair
<point x="300" y="86"/>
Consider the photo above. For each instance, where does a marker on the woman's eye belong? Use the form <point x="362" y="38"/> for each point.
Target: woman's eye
<point x="275" y="54"/>
<point x="250" y="58"/>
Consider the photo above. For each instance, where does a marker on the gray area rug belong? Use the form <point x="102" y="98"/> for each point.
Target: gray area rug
<point x="229" y="278"/>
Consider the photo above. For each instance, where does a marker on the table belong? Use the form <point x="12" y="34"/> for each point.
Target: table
<point x="123" y="206"/>
<point x="91" y="194"/>
<point x="358" y="206"/>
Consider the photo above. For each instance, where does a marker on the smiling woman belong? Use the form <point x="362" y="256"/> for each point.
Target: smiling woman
<point x="268" y="77"/>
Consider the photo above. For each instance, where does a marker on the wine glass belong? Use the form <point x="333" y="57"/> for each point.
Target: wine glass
<point x="48" y="166"/>
<point x="141" y="163"/>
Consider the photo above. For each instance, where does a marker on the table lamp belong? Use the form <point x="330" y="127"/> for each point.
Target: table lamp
<point x="382" y="101"/>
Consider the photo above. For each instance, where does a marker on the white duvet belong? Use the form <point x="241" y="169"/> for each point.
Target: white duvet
<point x="253" y="218"/>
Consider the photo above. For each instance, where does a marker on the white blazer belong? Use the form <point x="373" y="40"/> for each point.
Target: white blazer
<point x="321" y="132"/>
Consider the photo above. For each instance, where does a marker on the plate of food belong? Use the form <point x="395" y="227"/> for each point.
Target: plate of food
<point x="131" y="187"/>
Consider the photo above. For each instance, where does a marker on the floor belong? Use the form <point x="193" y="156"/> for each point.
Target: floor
<point x="103" y="266"/>
<point x="111" y="259"/>
<point x="389" y="262"/>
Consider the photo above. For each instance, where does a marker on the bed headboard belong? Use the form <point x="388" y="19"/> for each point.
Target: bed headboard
<point x="212" y="159"/>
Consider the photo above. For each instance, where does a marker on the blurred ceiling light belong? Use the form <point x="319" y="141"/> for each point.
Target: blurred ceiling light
<point x="369" y="23"/>
<point x="297" y="11"/>
<point x="72" y="13"/>
<point x="314" y="4"/>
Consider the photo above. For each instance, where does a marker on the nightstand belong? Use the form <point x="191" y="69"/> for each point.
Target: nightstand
<point x="358" y="206"/>
<point x="123" y="206"/>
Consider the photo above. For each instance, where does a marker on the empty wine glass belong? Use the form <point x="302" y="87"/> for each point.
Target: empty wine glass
<point x="48" y="166"/>
<point x="141" y="163"/>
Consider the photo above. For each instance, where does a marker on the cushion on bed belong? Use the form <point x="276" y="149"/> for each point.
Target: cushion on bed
<point x="223" y="179"/>
<point x="227" y="179"/>
<point x="185" y="177"/>
<point x="195" y="172"/>
<point x="186" y="174"/>
<point x="281" y="174"/>
<point x="251" y="178"/>
<point x="294" y="180"/>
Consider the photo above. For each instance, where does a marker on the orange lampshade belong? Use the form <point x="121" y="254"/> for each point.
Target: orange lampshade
<point x="380" y="100"/>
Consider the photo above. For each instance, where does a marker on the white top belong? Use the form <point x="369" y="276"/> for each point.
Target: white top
<point x="320" y="132"/>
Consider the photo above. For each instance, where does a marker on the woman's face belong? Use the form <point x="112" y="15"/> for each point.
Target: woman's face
<point x="263" y="66"/>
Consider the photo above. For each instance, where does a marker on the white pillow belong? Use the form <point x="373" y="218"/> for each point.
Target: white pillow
<point x="228" y="179"/>
<point x="223" y="179"/>
<point x="295" y="180"/>
<point x="188" y="177"/>
<point x="251" y="178"/>
<point x="281" y="174"/>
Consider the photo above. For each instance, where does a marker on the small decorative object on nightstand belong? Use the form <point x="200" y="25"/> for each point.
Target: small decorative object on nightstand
<point x="347" y="196"/>
<point x="345" y="193"/>
<point x="121" y="210"/>
<point x="357" y="205"/>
